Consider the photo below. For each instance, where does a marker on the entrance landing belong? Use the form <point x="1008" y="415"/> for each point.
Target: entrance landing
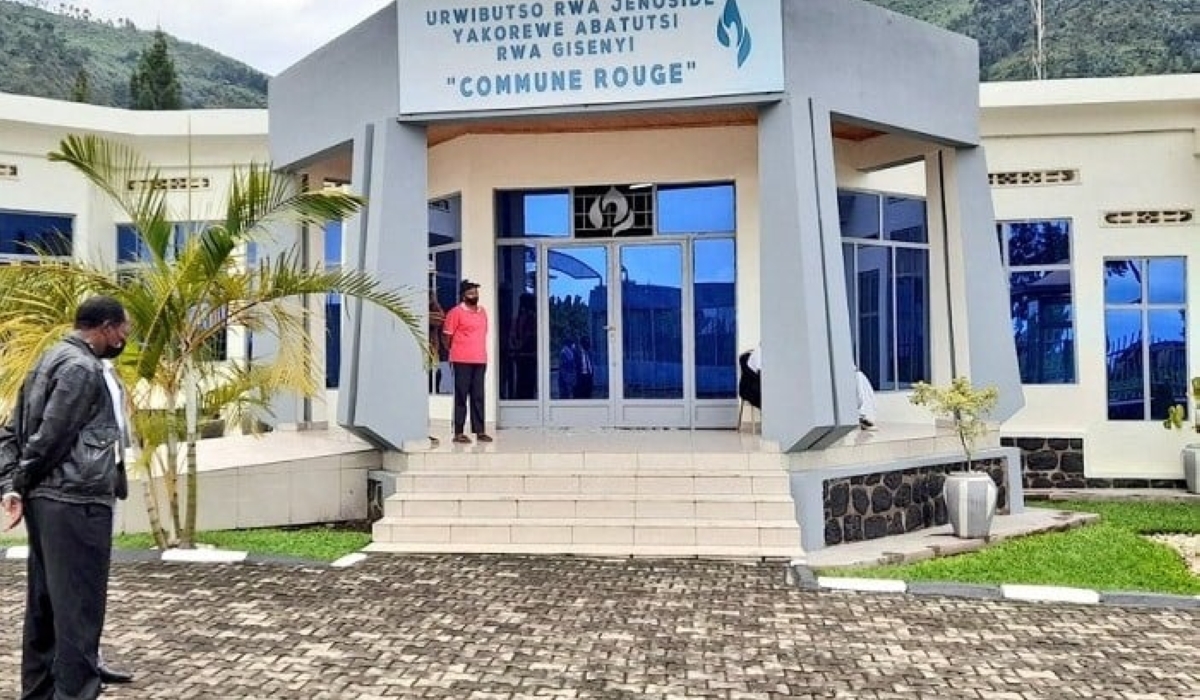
<point x="618" y="492"/>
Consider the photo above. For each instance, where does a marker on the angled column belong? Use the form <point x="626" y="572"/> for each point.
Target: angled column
<point x="383" y="394"/>
<point x="808" y="377"/>
<point x="980" y="325"/>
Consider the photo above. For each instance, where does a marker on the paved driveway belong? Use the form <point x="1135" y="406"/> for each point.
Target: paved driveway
<point x="561" y="627"/>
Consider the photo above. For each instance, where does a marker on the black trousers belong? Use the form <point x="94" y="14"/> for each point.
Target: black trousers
<point x="70" y="547"/>
<point x="468" y="386"/>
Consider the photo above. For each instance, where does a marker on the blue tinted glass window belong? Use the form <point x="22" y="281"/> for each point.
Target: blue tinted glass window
<point x="130" y="248"/>
<point x="28" y="234"/>
<point x="1123" y="281"/>
<point x="333" y="244"/>
<point x="858" y="213"/>
<point x="1165" y="281"/>
<point x="445" y="221"/>
<point x="697" y="209"/>
<point x="1037" y="254"/>
<point x="714" y="289"/>
<point x="333" y="340"/>
<point x="887" y="286"/>
<point x="1043" y="326"/>
<point x="1038" y="242"/>
<point x="912" y="316"/>
<point x="1146" y="334"/>
<point x="517" y="317"/>
<point x="652" y="321"/>
<point x="1125" y="365"/>
<point x="904" y="220"/>
<point x="533" y="214"/>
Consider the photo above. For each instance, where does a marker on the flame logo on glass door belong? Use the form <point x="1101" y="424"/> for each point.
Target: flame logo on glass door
<point x="622" y="215"/>
<point x="732" y="31"/>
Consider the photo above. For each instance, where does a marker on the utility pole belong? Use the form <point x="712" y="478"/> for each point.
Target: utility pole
<point x="1039" y="49"/>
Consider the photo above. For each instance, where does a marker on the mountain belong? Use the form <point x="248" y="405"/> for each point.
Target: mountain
<point x="41" y="54"/>
<point x="1083" y="38"/>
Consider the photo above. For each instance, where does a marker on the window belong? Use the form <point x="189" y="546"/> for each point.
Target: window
<point x="1145" y="319"/>
<point x="333" y="308"/>
<point x="1037" y="258"/>
<point x="696" y="209"/>
<point x="445" y="272"/>
<point x="25" y="234"/>
<point x="131" y="249"/>
<point x="533" y="214"/>
<point x="885" y="245"/>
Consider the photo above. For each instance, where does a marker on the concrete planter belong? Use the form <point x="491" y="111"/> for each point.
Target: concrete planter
<point x="1191" y="460"/>
<point x="970" y="503"/>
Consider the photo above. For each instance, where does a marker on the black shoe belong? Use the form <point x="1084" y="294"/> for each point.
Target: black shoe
<point x="111" y="676"/>
<point x="462" y="439"/>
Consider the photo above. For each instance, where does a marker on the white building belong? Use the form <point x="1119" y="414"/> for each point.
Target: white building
<point x="1093" y="184"/>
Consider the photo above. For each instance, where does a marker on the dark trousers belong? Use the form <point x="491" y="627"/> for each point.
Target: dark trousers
<point x="70" y="547"/>
<point x="468" y="384"/>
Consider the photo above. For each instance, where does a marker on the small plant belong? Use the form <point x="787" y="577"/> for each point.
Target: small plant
<point x="1177" y="414"/>
<point x="963" y="404"/>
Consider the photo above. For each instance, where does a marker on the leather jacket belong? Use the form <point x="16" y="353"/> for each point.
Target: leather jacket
<point x="64" y="441"/>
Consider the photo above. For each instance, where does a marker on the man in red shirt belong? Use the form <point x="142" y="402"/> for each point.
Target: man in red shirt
<point x="465" y="330"/>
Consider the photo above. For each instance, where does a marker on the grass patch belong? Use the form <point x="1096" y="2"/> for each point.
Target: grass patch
<point x="314" y="543"/>
<point x="1110" y="555"/>
<point x="317" y="543"/>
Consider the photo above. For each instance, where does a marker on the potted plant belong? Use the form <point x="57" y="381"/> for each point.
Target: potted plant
<point x="970" y="496"/>
<point x="1191" y="452"/>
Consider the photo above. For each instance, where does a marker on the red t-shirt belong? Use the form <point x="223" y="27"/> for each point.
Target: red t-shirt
<point x="466" y="329"/>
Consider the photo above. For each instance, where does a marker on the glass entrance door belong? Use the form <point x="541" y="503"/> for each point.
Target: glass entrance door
<point x="615" y="325"/>
<point x="653" y="364"/>
<point x="578" y="329"/>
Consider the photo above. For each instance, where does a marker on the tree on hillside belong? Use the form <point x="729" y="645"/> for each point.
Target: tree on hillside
<point x="81" y="91"/>
<point x="154" y="84"/>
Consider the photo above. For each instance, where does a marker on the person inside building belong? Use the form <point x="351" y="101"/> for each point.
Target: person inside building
<point x="750" y="388"/>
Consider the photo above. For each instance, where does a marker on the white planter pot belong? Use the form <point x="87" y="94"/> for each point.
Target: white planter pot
<point x="970" y="503"/>
<point x="1191" y="459"/>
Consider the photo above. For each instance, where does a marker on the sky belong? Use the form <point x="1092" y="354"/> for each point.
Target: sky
<point x="269" y="35"/>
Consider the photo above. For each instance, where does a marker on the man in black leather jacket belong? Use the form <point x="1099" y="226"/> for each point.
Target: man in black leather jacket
<point x="61" y="469"/>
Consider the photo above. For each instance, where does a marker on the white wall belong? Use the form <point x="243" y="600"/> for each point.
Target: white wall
<point x="1135" y="142"/>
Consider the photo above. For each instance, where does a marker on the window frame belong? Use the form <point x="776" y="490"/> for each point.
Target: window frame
<point x="1049" y="268"/>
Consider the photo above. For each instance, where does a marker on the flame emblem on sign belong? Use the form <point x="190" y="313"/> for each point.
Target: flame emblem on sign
<point x="732" y="31"/>
<point x="622" y="215"/>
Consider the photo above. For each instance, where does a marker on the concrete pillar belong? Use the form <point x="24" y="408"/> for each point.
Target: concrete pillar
<point x="979" y="322"/>
<point x="383" y="396"/>
<point x="809" y="397"/>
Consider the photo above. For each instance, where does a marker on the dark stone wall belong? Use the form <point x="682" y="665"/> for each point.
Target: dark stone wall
<point x="871" y="506"/>
<point x="1058" y="463"/>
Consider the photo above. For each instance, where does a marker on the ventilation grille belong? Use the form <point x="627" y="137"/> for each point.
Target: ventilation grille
<point x="1030" y="178"/>
<point x="1149" y="217"/>
<point x="8" y="171"/>
<point x="171" y="184"/>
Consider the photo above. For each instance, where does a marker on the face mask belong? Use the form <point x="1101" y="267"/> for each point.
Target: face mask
<point x="471" y="301"/>
<point x="113" y="352"/>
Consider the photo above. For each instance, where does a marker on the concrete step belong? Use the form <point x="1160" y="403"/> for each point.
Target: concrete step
<point x="577" y="534"/>
<point x="714" y="507"/>
<point x="606" y="482"/>
<point x="609" y="462"/>
<point x="594" y="550"/>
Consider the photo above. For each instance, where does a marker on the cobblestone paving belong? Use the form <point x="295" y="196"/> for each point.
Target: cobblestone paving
<point x="561" y="627"/>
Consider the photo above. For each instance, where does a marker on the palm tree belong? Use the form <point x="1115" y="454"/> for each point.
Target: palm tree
<point x="181" y="297"/>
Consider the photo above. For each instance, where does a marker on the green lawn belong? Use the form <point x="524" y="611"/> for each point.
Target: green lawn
<point x="1109" y="555"/>
<point x="317" y="543"/>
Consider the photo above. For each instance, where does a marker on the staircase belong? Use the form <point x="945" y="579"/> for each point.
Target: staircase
<point x="734" y="504"/>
